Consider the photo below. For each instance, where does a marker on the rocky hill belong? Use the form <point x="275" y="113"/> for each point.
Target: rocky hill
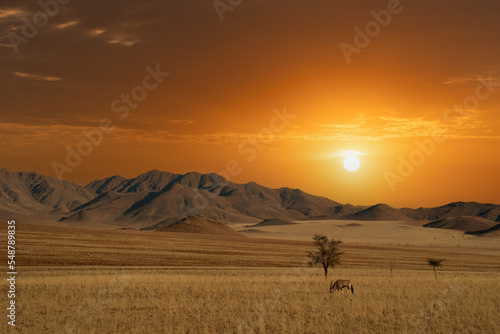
<point x="157" y="199"/>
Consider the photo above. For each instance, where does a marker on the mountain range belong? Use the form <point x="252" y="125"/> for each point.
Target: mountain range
<point x="157" y="199"/>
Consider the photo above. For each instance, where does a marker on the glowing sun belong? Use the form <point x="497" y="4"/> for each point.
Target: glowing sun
<point x="351" y="163"/>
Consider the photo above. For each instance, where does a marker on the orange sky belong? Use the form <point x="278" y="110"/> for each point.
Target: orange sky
<point x="228" y="79"/>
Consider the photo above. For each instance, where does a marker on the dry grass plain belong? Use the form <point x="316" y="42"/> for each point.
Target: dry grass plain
<point x="82" y="280"/>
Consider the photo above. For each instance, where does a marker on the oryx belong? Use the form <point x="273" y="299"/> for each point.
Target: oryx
<point x="340" y="284"/>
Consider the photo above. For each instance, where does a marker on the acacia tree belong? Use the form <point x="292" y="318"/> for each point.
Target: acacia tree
<point x="327" y="252"/>
<point x="435" y="263"/>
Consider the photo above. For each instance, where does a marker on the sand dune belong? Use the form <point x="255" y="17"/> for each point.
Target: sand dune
<point x="272" y="222"/>
<point x="193" y="224"/>
<point x="464" y="223"/>
<point x="455" y="209"/>
<point x="379" y="212"/>
<point x="492" y="231"/>
<point x="252" y="231"/>
<point x="373" y="233"/>
<point x="351" y="225"/>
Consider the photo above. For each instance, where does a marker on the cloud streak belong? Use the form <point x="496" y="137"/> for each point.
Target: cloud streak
<point x="96" y="32"/>
<point x="11" y="13"/>
<point x="182" y="121"/>
<point x="379" y="128"/>
<point x="469" y="79"/>
<point x="35" y="76"/>
<point x="363" y="129"/>
<point x="67" y="24"/>
<point x="123" y="41"/>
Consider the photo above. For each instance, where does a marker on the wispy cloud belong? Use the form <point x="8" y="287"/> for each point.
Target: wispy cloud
<point x="379" y="128"/>
<point x="67" y="24"/>
<point x="123" y="41"/>
<point x="96" y="32"/>
<point x="35" y="76"/>
<point x="182" y="121"/>
<point x="468" y="79"/>
<point x="363" y="129"/>
<point x="11" y="12"/>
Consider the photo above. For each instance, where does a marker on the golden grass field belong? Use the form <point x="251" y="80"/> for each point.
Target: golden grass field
<point x="82" y="280"/>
